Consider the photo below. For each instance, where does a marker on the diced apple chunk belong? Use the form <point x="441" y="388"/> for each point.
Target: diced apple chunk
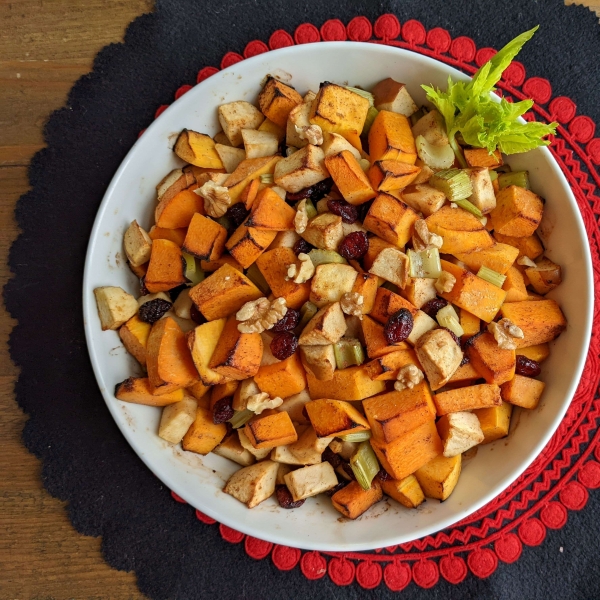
<point x="439" y="356"/>
<point x="319" y="360"/>
<point x="391" y="265"/>
<point x="176" y="419"/>
<point x="232" y="449"/>
<point x="330" y="282"/>
<point x="238" y="115"/>
<point x="138" y="244"/>
<point x="459" y="431"/>
<point x="326" y="327"/>
<point x="254" y="484"/>
<point x="230" y="157"/>
<point x="259" y="143"/>
<point x="115" y="306"/>
<point x="393" y="96"/>
<point x="310" y="481"/>
<point x="301" y="170"/>
<point x="325" y="231"/>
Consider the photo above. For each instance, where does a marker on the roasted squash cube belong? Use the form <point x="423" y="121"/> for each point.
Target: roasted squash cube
<point x="270" y="211"/>
<point x="248" y="243"/>
<point x="391" y="138"/>
<point x="467" y="398"/>
<point x="522" y="391"/>
<point x="514" y="286"/>
<point x="406" y="454"/>
<point x="545" y="276"/>
<point x="246" y="172"/>
<point x="177" y="212"/>
<point x="202" y="342"/>
<point x="134" y="335"/>
<point x="495" y="364"/>
<point x="205" y="238"/>
<point x="529" y="246"/>
<point x="407" y="491"/>
<point x="386" y="367"/>
<point x="301" y="170"/>
<point x="387" y="175"/>
<point x="494" y="421"/>
<point x="210" y="266"/>
<point x="352" y="500"/>
<point x="271" y="430"/>
<point x="222" y="390"/>
<point x="349" y="177"/>
<point x="518" y="212"/>
<point x="352" y="383"/>
<point x="277" y="99"/>
<point x="139" y="391"/>
<point x="539" y="352"/>
<point x="197" y="149"/>
<point x="237" y="355"/>
<point x="204" y="435"/>
<point x="540" y="320"/>
<point x="464" y="375"/>
<point x="439" y="477"/>
<point x="498" y="257"/>
<point x="366" y="285"/>
<point x="335" y="418"/>
<point x="391" y="220"/>
<point x="480" y="157"/>
<point x="177" y="236"/>
<point x="394" y="414"/>
<point x="165" y="270"/>
<point x="375" y="341"/>
<point x="282" y="379"/>
<point x="223" y="293"/>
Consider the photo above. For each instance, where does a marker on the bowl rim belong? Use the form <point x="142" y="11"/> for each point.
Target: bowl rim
<point x="277" y="536"/>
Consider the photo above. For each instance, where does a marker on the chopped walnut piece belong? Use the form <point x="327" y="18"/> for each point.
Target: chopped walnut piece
<point x="525" y="261"/>
<point x="408" y="377"/>
<point x="445" y="282"/>
<point x="301" y="218"/>
<point x="216" y="199"/>
<point x="313" y="134"/>
<point x="506" y="332"/>
<point x="262" y="401"/>
<point x="352" y="304"/>
<point x="303" y="272"/>
<point x="423" y="238"/>
<point x="259" y="315"/>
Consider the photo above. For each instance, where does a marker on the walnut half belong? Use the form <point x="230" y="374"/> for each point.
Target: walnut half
<point x="313" y="134"/>
<point x="408" y="377"/>
<point x="506" y="332"/>
<point x="259" y="315"/>
<point x="262" y="401"/>
<point x="301" y="218"/>
<point x="303" y="272"/>
<point x="445" y="282"/>
<point x="216" y="199"/>
<point x="352" y="304"/>
<point x="423" y="238"/>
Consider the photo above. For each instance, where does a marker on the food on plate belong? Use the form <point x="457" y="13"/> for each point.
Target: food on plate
<point x="343" y="292"/>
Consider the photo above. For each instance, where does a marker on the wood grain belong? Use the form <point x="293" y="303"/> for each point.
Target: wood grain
<point x="45" y="45"/>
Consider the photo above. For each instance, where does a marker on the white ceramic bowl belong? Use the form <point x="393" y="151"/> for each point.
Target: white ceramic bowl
<point x="199" y="480"/>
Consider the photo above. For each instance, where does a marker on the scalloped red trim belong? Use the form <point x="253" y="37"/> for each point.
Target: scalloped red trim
<point x="559" y="479"/>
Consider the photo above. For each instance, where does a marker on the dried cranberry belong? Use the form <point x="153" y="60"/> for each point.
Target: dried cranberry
<point x="454" y="336"/>
<point x="527" y="366"/>
<point x="302" y="246"/>
<point x="331" y="457"/>
<point x="228" y="429"/>
<point x="340" y="486"/>
<point x="143" y="289"/>
<point x="285" y="498"/>
<point x="398" y="326"/>
<point x="354" y="246"/>
<point x="283" y="345"/>
<point x="196" y="315"/>
<point x="152" y="311"/>
<point x="341" y="208"/>
<point x="223" y="410"/>
<point x="289" y="322"/>
<point x="384" y="475"/>
<point x="431" y="308"/>
<point x="314" y="192"/>
<point x="237" y="214"/>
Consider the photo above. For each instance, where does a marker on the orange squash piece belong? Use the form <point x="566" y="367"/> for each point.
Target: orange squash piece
<point x="470" y="324"/>
<point x="495" y="364"/>
<point x="210" y="266"/>
<point x="165" y="270"/>
<point x="205" y="238"/>
<point x="248" y="170"/>
<point x="277" y="99"/>
<point x="407" y="491"/>
<point x="464" y="375"/>
<point x="335" y="417"/>
<point x="349" y="177"/>
<point x="268" y="431"/>
<point x="200" y="392"/>
<point x="540" y="320"/>
<point x="271" y="212"/>
<point x="237" y="355"/>
<point x="522" y="391"/>
<point x="387" y="175"/>
<point x="352" y="501"/>
<point x="391" y="138"/>
<point x="366" y="285"/>
<point x="134" y="335"/>
<point x="169" y="360"/>
<point x="514" y="285"/>
<point x="139" y="391"/>
<point x="223" y="293"/>
<point x="494" y="421"/>
<point x="177" y="212"/>
<point x="539" y="352"/>
<point x="386" y="367"/>
<point x="375" y="341"/>
<point x="518" y="212"/>
<point x="352" y="383"/>
<point x="204" y="435"/>
<point x="394" y="414"/>
<point x="406" y="454"/>
<point x="391" y="220"/>
<point x="480" y="157"/>
<point x="499" y="258"/>
<point x="248" y="196"/>
<point x="274" y="265"/>
<point x="177" y="236"/>
<point x="475" y="295"/>
<point x="222" y="390"/>
<point x="529" y="246"/>
<point x="248" y="243"/>
<point x="284" y="378"/>
<point x="387" y="303"/>
<point x="467" y="398"/>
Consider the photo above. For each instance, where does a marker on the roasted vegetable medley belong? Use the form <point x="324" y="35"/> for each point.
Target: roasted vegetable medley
<point x="343" y="292"/>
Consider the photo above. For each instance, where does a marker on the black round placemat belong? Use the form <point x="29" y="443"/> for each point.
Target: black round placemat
<point x="85" y="459"/>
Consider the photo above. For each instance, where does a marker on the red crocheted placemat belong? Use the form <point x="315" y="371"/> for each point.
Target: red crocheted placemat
<point x="559" y="479"/>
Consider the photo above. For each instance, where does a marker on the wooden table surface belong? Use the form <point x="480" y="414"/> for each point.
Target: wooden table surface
<point x="45" y="45"/>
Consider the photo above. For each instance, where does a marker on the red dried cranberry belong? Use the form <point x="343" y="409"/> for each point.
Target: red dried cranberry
<point x="302" y="246"/>
<point x="331" y="457"/>
<point x="454" y="336"/>
<point x="340" y="486"/>
<point x="152" y="311"/>
<point x="384" y="475"/>
<point x="285" y="498"/>
<point x="431" y="308"/>
<point x="143" y="289"/>
<point x="354" y="246"/>
<point x="283" y="345"/>
<point x="197" y="316"/>
<point x="289" y="322"/>
<point x="341" y="208"/>
<point x="527" y="366"/>
<point x="237" y="214"/>
<point x="314" y="192"/>
<point x="398" y="326"/>
<point x="223" y="410"/>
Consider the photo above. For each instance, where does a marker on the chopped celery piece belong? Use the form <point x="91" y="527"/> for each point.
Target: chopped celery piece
<point x="493" y="174"/>
<point x="323" y="257"/>
<point x="371" y="114"/>
<point x="469" y="207"/>
<point x="454" y="183"/>
<point x="307" y="312"/>
<point x="491" y="276"/>
<point x="266" y="178"/>
<point x="311" y="211"/>
<point x="388" y="285"/>
<point x="364" y="465"/>
<point x="348" y="352"/>
<point x="224" y="222"/>
<point x="448" y="318"/>
<point x="425" y="263"/>
<point x="362" y="93"/>
<point x="192" y="271"/>
<point x="256" y="277"/>
<point x="519" y="178"/>
<point x="414" y="118"/>
<point x="361" y="436"/>
<point x="240" y="418"/>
